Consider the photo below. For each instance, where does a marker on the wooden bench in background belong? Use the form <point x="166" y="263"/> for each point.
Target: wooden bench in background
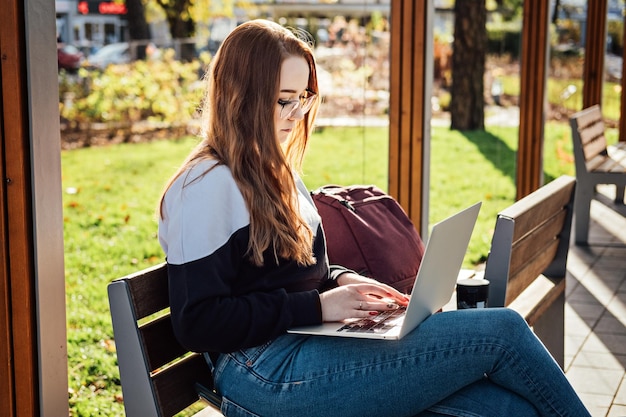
<point x="526" y="267"/>
<point x="596" y="163"/>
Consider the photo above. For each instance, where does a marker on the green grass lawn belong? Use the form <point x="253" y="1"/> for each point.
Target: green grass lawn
<point x="110" y="196"/>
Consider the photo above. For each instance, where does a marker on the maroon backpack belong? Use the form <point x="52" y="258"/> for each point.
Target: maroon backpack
<point x="369" y="232"/>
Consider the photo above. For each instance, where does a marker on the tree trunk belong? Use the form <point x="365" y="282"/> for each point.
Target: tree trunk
<point x="138" y="28"/>
<point x="181" y="27"/>
<point x="467" y="103"/>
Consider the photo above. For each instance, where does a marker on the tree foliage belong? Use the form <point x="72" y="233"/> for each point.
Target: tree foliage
<point x="183" y="16"/>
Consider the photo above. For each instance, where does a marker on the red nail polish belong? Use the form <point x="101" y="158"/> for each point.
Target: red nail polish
<point x="373" y="313"/>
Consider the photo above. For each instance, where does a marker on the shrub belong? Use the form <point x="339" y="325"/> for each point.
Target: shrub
<point x="160" y="91"/>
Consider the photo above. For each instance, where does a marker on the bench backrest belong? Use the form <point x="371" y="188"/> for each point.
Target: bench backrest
<point x="158" y="375"/>
<point x="531" y="238"/>
<point x="590" y="146"/>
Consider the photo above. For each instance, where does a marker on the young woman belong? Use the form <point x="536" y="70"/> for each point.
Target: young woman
<point x="247" y="260"/>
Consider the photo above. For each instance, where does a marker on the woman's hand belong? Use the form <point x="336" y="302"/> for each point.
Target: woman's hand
<point x="357" y="297"/>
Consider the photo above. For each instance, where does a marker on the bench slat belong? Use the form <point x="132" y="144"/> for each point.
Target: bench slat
<point x="592" y="164"/>
<point x="535" y="300"/>
<point x="588" y="116"/>
<point x="593" y="141"/>
<point x="530" y="247"/>
<point x="523" y="278"/>
<point x="149" y="290"/>
<point x="592" y="132"/>
<point x="608" y="164"/>
<point x="159" y="342"/>
<point x="175" y="386"/>
<point x="529" y="213"/>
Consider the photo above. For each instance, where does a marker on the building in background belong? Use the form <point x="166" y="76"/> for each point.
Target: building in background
<point x="90" y="24"/>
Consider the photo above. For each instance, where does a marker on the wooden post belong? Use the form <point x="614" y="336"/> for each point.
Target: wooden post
<point x="534" y="61"/>
<point x="595" y="41"/>
<point x="18" y="349"/>
<point x="33" y="342"/>
<point x="409" y="107"/>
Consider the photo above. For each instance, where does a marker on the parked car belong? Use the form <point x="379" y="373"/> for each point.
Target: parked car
<point x="69" y="57"/>
<point x="114" y="53"/>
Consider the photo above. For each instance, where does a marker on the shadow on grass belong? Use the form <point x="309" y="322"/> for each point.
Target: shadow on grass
<point x="495" y="150"/>
<point x="499" y="153"/>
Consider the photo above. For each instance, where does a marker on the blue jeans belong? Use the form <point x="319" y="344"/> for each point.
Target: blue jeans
<point x="478" y="363"/>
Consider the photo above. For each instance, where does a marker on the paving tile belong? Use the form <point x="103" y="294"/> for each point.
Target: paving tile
<point x="609" y="277"/>
<point x="597" y="405"/>
<point x="608" y="270"/>
<point x="617" y="411"/>
<point x="611" y="323"/>
<point x="620" y="296"/>
<point x="620" y="397"/>
<point x="599" y="360"/>
<point x="576" y="325"/>
<point x="615" y="251"/>
<point x="580" y="258"/>
<point x="593" y="292"/>
<point x="605" y="342"/>
<point x="591" y="313"/>
<point x="617" y="309"/>
<point x="571" y="283"/>
<point x="573" y="344"/>
<point x="599" y="382"/>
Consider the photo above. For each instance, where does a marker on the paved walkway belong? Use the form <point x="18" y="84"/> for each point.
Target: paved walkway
<point x="595" y="312"/>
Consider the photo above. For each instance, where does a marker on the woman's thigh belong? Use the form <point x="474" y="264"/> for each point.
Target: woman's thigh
<point x="314" y="375"/>
<point x="300" y="375"/>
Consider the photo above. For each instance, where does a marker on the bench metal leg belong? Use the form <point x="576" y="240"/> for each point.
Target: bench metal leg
<point x="619" y="194"/>
<point x="550" y="328"/>
<point x="582" y="205"/>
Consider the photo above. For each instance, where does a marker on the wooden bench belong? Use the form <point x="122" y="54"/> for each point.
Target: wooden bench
<point x="596" y="163"/>
<point x="159" y="377"/>
<point x="526" y="266"/>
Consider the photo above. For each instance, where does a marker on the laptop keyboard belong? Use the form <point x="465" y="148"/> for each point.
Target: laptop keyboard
<point x="381" y="323"/>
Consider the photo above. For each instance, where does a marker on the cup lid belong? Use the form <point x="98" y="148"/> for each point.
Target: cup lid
<point x="473" y="282"/>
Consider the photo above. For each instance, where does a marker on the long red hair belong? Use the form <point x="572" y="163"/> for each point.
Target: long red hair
<point x="239" y="132"/>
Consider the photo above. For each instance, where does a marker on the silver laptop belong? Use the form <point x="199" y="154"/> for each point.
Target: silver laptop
<point x="433" y="287"/>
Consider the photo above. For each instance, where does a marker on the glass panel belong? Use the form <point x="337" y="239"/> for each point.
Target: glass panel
<point x="564" y="85"/>
<point x="352" y="52"/>
<point x="612" y="89"/>
<point x="468" y="166"/>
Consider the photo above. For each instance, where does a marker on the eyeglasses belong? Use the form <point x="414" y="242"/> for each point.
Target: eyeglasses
<point x="304" y="103"/>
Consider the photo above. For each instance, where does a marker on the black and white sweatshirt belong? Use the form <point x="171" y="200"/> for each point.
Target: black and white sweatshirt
<point x="220" y="301"/>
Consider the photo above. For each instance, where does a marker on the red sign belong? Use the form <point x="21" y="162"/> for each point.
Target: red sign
<point x="83" y="7"/>
<point x="112" y="8"/>
<point x="102" y="7"/>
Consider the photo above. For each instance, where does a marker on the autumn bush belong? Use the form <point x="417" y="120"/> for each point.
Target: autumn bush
<point x="158" y="91"/>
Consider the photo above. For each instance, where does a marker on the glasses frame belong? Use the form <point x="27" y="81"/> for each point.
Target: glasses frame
<point x="289" y="107"/>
